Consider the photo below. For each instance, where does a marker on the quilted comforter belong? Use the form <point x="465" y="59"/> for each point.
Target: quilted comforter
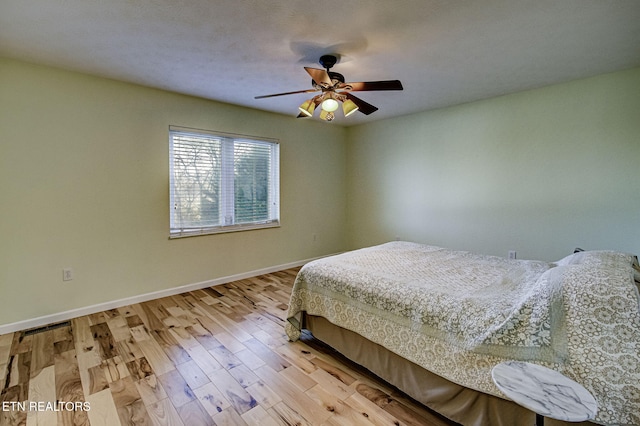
<point x="458" y="314"/>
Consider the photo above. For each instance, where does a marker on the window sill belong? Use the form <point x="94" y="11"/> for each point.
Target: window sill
<point x="221" y="230"/>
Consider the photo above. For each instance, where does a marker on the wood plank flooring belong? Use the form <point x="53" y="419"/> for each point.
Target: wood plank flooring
<point x="216" y="356"/>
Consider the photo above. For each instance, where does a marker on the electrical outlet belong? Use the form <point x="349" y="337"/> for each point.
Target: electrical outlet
<point x="67" y="274"/>
<point x="512" y="254"/>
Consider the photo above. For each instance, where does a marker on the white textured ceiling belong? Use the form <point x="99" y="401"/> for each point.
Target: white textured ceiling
<point x="445" y="52"/>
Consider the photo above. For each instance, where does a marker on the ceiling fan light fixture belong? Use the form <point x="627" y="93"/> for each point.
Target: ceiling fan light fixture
<point x="349" y="107"/>
<point x="330" y="105"/>
<point x="307" y="107"/>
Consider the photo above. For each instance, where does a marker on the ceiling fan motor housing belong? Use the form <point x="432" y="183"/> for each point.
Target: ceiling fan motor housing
<point x="334" y="76"/>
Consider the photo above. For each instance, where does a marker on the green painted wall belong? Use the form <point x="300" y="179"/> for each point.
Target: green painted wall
<point x="84" y="175"/>
<point x="540" y="172"/>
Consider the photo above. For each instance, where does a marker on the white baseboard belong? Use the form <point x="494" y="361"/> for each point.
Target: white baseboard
<point x="74" y="313"/>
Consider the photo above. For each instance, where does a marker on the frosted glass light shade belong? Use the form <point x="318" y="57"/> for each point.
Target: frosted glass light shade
<point x="330" y="105"/>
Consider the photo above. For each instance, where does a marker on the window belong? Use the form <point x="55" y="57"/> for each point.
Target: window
<point x="222" y="183"/>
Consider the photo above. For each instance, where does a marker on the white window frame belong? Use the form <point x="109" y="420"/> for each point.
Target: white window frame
<point x="226" y="196"/>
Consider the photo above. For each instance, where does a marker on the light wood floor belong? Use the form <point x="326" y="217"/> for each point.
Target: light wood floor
<point x="212" y="356"/>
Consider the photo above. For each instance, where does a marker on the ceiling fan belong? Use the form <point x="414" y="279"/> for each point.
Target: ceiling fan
<point x="335" y="91"/>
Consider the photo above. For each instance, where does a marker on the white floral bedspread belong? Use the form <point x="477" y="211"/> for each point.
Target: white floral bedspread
<point x="458" y="314"/>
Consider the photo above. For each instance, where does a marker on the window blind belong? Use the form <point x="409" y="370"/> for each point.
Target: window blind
<point x="222" y="183"/>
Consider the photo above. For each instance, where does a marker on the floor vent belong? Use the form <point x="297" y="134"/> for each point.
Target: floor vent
<point x="46" y="328"/>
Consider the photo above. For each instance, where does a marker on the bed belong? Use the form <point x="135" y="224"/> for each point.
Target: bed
<point x="434" y="322"/>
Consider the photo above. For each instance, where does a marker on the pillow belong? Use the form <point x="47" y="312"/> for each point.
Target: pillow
<point x="572" y="259"/>
<point x="608" y="257"/>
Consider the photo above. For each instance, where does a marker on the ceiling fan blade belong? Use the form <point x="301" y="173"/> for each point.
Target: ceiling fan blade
<point x="363" y="107"/>
<point x="372" y="85"/>
<point x="286" y="93"/>
<point x="321" y="77"/>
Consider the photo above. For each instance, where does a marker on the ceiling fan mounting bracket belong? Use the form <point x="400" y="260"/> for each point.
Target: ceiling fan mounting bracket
<point x="328" y="61"/>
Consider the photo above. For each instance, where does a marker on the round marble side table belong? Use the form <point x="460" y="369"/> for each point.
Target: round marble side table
<point x="544" y="391"/>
